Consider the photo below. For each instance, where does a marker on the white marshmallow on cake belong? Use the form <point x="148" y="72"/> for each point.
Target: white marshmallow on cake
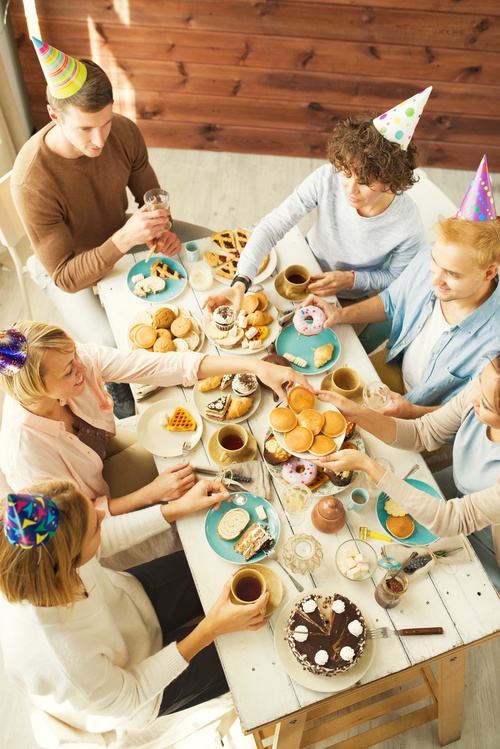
<point x="251" y="333"/>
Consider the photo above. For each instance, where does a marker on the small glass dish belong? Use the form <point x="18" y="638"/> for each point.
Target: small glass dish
<point x="302" y="553"/>
<point x="356" y="560"/>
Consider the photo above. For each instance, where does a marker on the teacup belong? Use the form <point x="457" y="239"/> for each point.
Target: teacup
<point x="296" y="279"/>
<point x="358" y="499"/>
<point x="345" y="381"/>
<point x="247" y="586"/>
<point x="232" y="441"/>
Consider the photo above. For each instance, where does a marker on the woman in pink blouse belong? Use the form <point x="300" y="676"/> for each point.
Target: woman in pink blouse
<point x="58" y="419"/>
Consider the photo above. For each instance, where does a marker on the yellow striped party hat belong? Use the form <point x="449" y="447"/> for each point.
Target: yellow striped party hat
<point x="64" y="75"/>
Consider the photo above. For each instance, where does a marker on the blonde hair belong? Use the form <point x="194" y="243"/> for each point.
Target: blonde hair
<point x="28" y="384"/>
<point x="481" y="238"/>
<point x="46" y="575"/>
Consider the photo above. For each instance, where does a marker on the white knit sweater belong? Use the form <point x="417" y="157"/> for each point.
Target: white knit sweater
<point x="99" y="666"/>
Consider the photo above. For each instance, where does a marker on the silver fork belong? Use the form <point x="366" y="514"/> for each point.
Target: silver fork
<point x="378" y="632"/>
<point x="272" y="554"/>
<point x="186" y="447"/>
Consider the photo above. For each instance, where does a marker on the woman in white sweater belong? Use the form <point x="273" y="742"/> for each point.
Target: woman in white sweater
<point x="100" y="653"/>
<point x="471" y="484"/>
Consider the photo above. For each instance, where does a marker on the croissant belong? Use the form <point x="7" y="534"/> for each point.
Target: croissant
<point x="210" y="383"/>
<point x="323" y="354"/>
<point x="259" y="318"/>
<point x="239" y="407"/>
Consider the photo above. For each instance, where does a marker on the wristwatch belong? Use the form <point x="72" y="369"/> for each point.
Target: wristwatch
<point x="242" y="279"/>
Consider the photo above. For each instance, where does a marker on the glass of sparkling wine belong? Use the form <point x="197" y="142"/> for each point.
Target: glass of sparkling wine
<point x="158" y="198"/>
<point x="297" y="499"/>
<point x="376" y="395"/>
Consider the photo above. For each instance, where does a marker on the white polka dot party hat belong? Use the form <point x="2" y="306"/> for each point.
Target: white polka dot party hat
<point x="398" y="124"/>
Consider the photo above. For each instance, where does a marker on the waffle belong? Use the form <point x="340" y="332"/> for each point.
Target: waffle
<point x="181" y="421"/>
<point x="321" y="478"/>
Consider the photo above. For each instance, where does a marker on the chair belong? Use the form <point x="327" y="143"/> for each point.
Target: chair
<point x="434" y="205"/>
<point x="11" y="233"/>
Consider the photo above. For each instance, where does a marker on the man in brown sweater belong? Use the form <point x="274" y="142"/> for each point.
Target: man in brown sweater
<point x="69" y="186"/>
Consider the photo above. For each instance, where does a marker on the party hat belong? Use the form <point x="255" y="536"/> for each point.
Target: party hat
<point x="30" y="519"/>
<point x="398" y="124"/>
<point x="64" y="75"/>
<point x="13" y="351"/>
<point x="479" y="203"/>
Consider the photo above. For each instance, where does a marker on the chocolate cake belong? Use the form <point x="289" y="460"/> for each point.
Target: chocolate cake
<point x="326" y="634"/>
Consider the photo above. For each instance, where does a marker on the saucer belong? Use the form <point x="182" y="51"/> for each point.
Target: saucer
<point x="279" y="285"/>
<point x="273" y="585"/>
<point x="247" y="454"/>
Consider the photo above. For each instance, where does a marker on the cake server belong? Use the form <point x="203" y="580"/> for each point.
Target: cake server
<point x="375" y="634"/>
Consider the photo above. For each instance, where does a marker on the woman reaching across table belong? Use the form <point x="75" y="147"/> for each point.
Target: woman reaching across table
<point x="100" y="654"/>
<point x="366" y="229"/>
<point x="471" y="484"/>
<point x="58" y="418"/>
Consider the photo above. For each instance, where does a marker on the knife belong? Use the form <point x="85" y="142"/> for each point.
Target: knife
<point x="417" y="631"/>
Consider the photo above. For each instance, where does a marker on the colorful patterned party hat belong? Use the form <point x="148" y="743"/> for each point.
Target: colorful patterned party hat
<point x="479" y="203"/>
<point x="13" y="351"/>
<point x="64" y="75"/>
<point x="30" y="519"/>
<point x="398" y="124"/>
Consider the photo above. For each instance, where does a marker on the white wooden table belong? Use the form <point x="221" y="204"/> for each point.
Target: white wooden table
<point x="459" y="598"/>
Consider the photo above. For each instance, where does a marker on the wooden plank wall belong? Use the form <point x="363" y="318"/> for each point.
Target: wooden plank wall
<point x="273" y="77"/>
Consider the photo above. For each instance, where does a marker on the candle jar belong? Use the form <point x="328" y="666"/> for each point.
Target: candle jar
<point x="302" y="553"/>
<point x="390" y="590"/>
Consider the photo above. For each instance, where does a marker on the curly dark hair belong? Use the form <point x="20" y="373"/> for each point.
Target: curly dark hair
<point x="356" y="147"/>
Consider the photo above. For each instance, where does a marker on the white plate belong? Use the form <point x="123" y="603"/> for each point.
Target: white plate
<point x="319" y="682"/>
<point x="319" y="406"/>
<point x="201" y="401"/>
<point x="268" y="270"/>
<point x="325" y="489"/>
<point x="274" y="329"/>
<point x="157" y="439"/>
<point x="146" y="317"/>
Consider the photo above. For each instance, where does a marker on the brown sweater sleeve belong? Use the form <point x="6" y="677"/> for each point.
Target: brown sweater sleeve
<point x="72" y="207"/>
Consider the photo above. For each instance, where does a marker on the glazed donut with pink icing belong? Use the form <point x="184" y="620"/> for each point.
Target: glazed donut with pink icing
<point x="305" y="475"/>
<point x="309" y="320"/>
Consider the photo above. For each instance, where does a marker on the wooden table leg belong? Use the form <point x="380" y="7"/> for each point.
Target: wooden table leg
<point x="289" y="732"/>
<point x="451" y="682"/>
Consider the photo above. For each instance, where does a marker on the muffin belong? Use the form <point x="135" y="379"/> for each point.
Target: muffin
<point x="339" y="479"/>
<point x="224" y="317"/>
<point x="245" y="383"/>
<point x="274" y="454"/>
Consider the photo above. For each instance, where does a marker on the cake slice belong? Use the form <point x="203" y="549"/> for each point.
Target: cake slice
<point x="228" y="270"/>
<point x="225" y="240"/>
<point x="232" y="523"/>
<point x="252" y="541"/>
<point x="217" y="409"/>
<point x="242" y="237"/>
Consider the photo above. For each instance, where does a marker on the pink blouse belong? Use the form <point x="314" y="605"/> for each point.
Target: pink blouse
<point x="34" y="448"/>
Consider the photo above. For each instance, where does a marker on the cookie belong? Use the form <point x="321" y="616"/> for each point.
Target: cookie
<point x="181" y="327"/>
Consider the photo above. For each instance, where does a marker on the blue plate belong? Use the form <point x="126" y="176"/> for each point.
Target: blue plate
<point x="225" y="548"/>
<point x="172" y="288"/>
<point x="291" y="342"/>
<point x="420" y="535"/>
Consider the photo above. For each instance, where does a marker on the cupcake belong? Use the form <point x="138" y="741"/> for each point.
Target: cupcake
<point x="224" y="317"/>
<point x="245" y="383"/>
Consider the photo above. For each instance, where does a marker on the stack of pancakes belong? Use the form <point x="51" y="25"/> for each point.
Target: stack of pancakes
<point x="304" y="427"/>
